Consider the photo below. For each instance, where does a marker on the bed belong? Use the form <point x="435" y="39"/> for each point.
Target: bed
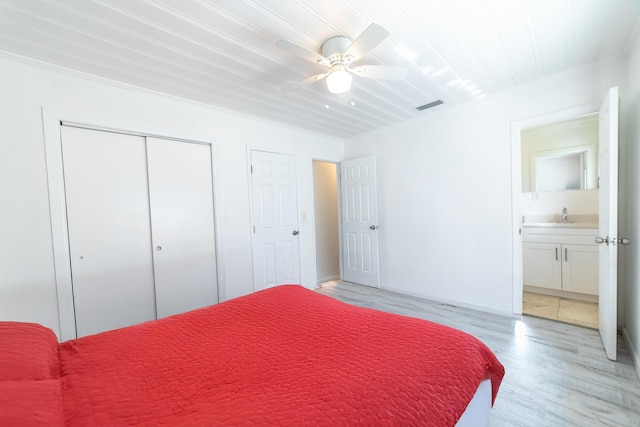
<point x="282" y="356"/>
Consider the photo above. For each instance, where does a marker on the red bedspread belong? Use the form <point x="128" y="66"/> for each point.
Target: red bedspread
<point x="283" y="356"/>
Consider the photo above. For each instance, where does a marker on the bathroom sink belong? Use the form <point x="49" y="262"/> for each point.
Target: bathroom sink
<point x="555" y="221"/>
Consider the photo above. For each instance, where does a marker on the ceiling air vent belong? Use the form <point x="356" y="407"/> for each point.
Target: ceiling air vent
<point x="429" y="105"/>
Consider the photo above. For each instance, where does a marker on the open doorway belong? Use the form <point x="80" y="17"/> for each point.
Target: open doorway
<point x="326" y="213"/>
<point x="529" y="204"/>
<point x="560" y="220"/>
<point x="606" y="238"/>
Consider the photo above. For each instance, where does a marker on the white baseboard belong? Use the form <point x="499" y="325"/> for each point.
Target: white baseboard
<point x="635" y="352"/>
<point x="454" y="303"/>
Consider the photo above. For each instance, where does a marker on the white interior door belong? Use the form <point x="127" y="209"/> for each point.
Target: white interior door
<point x="608" y="214"/>
<point x="182" y="225"/>
<point x="276" y="258"/>
<point x="359" y="221"/>
<point x="105" y="177"/>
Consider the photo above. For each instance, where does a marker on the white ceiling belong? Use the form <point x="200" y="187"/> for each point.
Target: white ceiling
<point x="223" y="53"/>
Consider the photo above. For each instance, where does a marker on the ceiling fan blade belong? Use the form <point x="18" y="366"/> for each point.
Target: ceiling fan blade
<point x="303" y="52"/>
<point x="370" y="38"/>
<point x="380" y="72"/>
<point x="306" y="82"/>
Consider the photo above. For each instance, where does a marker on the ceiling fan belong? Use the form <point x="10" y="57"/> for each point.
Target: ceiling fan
<point x="338" y="54"/>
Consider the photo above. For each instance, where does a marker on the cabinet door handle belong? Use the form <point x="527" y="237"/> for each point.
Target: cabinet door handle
<point x="556" y="254"/>
<point x="565" y="254"/>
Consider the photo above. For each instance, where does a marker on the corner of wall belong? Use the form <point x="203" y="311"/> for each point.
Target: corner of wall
<point x="633" y="349"/>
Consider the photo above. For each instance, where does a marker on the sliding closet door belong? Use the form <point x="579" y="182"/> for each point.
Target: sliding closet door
<point x="106" y="190"/>
<point x="181" y="197"/>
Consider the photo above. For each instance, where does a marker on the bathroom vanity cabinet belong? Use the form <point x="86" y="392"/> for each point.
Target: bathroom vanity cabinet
<point x="561" y="258"/>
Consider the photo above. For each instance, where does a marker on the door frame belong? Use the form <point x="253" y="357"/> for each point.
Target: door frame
<point x="53" y="119"/>
<point x="284" y="152"/>
<point x="516" y="187"/>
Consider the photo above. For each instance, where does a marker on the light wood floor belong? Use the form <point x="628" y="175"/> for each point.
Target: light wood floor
<point x="556" y="374"/>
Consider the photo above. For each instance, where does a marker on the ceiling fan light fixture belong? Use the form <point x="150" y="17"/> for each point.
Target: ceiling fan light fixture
<point x="339" y="81"/>
<point x="338" y="55"/>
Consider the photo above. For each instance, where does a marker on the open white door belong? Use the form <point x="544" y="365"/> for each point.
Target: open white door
<point x="360" y="221"/>
<point x="276" y="258"/>
<point x="608" y="212"/>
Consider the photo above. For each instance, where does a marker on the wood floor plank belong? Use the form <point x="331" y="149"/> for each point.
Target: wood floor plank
<point x="556" y="374"/>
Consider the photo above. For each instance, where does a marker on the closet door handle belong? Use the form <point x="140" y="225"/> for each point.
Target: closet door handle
<point x="556" y="254"/>
<point x="565" y="254"/>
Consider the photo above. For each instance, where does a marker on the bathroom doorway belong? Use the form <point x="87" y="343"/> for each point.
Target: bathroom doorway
<point x="560" y="220"/>
<point x="540" y="198"/>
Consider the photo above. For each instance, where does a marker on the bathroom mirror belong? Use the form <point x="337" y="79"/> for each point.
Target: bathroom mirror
<point x="561" y="156"/>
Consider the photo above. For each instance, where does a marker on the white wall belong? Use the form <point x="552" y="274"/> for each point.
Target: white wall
<point x="577" y="202"/>
<point x="445" y="188"/>
<point x="27" y="284"/>
<point x="630" y="194"/>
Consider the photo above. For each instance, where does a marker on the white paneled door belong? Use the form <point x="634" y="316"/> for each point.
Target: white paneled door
<point x="180" y="195"/>
<point x="608" y="223"/>
<point x="109" y="227"/>
<point x="359" y="221"/>
<point x="276" y="258"/>
<point x="140" y="226"/>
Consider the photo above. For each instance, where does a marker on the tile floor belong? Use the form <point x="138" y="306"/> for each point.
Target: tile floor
<point x="564" y="310"/>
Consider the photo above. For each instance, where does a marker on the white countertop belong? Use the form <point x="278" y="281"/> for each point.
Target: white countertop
<point x="555" y="221"/>
<point x="561" y="224"/>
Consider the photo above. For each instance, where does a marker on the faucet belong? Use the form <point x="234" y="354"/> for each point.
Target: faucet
<point x="564" y="215"/>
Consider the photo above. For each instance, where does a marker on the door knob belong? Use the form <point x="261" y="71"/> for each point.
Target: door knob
<point x="600" y="240"/>
<point x="624" y="241"/>
<point x="295" y="232"/>
<point x="373" y="227"/>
